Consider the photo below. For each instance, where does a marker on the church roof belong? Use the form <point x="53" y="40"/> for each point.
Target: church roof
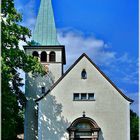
<point x="45" y="30"/>
<point x="84" y="55"/>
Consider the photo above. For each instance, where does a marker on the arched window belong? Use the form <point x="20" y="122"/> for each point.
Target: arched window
<point x="52" y="57"/>
<point x="35" y="53"/>
<point x="84" y="128"/>
<point x="43" y="57"/>
<point x="84" y="74"/>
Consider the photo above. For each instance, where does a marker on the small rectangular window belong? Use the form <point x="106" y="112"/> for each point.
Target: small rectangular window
<point x="76" y="96"/>
<point x="91" y="96"/>
<point x="83" y="96"/>
<point x="43" y="90"/>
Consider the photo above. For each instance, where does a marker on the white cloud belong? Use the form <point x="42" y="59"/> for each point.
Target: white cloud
<point x="76" y="44"/>
<point x="131" y="78"/>
<point x="127" y="67"/>
<point x="28" y="12"/>
<point x="122" y="68"/>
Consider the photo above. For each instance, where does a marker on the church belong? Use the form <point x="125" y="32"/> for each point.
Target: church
<point x="79" y="104"/>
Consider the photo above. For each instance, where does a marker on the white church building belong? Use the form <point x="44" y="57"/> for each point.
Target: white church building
<point x="80" y="104"/>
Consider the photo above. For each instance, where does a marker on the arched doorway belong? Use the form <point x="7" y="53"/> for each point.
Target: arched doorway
<point x="83" y="128"/>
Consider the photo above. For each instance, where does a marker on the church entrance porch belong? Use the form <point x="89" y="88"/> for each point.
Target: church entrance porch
<point x="83" y="128"/>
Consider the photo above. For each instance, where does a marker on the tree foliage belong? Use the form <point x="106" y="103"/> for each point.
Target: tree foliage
<point x="13" y="60"/>
<point x="134" y="126"/>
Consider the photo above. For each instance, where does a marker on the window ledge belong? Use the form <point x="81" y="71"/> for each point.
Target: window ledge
<point x="85" y="100"/>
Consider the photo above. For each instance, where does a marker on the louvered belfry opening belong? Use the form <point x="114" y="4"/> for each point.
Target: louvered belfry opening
<point x="52" y="57"/>
<point x="44" y="57"/>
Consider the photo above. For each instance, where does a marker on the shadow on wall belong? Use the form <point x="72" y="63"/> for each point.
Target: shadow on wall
<point x="34" y="84"/>
<point x="53" y="125"/>
<point x="33" y="91"/>
<point x="31" y="121"/>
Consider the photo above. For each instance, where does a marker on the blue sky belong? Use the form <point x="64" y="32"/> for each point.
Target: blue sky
<point x="105" y="30"/>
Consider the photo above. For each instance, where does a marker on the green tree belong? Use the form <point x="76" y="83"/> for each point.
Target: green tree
<point x="13" y="60"/>
<point x="134" y="125"/>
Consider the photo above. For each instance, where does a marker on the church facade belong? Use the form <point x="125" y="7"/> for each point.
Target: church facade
<point x="80" y="104"/>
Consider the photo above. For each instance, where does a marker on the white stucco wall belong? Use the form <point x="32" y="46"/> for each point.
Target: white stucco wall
<point x="55" y="67"/>
<point x="33" y="90"/>
<point x="110" y="110"/>
<point x="58" y="52"/>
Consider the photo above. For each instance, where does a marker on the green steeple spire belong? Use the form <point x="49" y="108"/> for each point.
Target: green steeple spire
<point x="45" y="30"/>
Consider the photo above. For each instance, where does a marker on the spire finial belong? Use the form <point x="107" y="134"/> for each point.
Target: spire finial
<point x="84" y="114"/>
<point x="45" y="30"/>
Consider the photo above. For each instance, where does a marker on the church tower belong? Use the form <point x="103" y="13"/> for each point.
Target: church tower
<point x="51" y="54"/>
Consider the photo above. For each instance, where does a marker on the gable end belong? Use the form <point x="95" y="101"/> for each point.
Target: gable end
<point x="72" y="66"/>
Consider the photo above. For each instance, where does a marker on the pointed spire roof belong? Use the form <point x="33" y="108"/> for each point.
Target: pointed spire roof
<point x="45" y="30"/>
